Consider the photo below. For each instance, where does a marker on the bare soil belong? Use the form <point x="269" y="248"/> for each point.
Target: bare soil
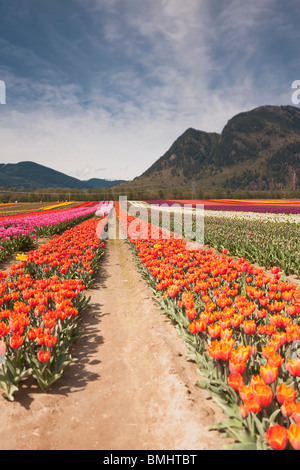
<point x="7" y="262"/>
<point x="132" y="387"/>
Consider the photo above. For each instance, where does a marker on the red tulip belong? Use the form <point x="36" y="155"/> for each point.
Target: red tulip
<point x="235" y="381"/>
<point x="16" y="341"/>
<point x="44" y="356"/>
<point x="277" y="437"/>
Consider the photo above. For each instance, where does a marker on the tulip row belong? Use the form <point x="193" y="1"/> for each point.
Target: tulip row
<point x="259" y="206"/>
<point x="265" y="243"/>
<point x="19" y="233"/>
<point x="242" y="328"/>
<point x="40" y="299"/>
<point x="262" y="241"/>
<point x="258" y="216"/>
<point x="18" y="209"/>
<point x="105" y="208"/>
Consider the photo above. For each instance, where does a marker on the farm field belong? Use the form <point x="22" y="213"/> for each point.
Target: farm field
<point x="258" y="205"/>
<point x="25" y="207"/>
<point x="82" y="323"/>
<point x="150" y="228"/>
<point x="264" y="238"/>
<point x="18" y="231"/>
<point x="234" y="295"/>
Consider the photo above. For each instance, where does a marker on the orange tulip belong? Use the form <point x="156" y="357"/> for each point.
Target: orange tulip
<point x="210" y="306"/>
<point x="241" y="353"/>
<point x="246" y="392"/>
<point x="227" y="333"/>
<point x="4" y="329"/>
<point x="293" y="366"/>
<point x="220" y="349"/>
<point x="235" y="381"/>
<point x="263" y="394"/>
<point x="261" y="313"/>
<point x="256" y="379"/>
<point x="192" y="328"/>
<point x="236" y="367"/>
<point x="50" y="341"/>
<point x="252" y="405"/>
<point x="249" y="327"/>
<point x="191" y="313"/>
<point x="291" y="310"/>
<point x="266" y="329"/>
<point x="264" y="302"/>
<point x="225" y="348"/>
<point x="214" y="330"/>
<point x="287" y="295"/>
<point x="285" y="394"/>
<point x="225" y="323"/>
<point x="268" y="350"/>
<point x="294" y="436"/>
<point x="287" y="409"/>
<point x="15" y="295"/>
<point x="268" y="373"/>
<point x="237" y="320"/>
<point x="16" y="341"/>
<point x="276" y="360"/>
<point x="277" y="437"/>
<point x="200" y="325"/>
<point x="293" y="333"/>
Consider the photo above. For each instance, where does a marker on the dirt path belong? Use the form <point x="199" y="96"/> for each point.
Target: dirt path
<point x="133" y="388"/>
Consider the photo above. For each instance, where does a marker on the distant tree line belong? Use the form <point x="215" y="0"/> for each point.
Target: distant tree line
<point x="193" y="191"/>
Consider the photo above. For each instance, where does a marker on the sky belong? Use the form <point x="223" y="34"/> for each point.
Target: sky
<point x="102" y="88"/>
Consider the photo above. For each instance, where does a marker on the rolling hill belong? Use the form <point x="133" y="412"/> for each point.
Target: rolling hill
<point x="30" y="176"/>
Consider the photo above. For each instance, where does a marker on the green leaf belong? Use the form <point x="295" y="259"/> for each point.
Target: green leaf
<point x="228" y="423"/>
<point x="274" y="415"/>
<point x="241" y="446"/>
<point x="259" y="426"/>
<point x="201" y="384"/>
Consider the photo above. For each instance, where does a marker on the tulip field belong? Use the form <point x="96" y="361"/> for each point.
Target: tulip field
<point x="231" y="300"/>
<point x="44" y="292"/>
<point x="264" y="237"/>
<point x="17" y="231"/>
<point x="241" y="325"/>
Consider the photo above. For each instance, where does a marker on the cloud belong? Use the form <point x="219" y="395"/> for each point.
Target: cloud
<point x="114" y="89"/>
<point x="86" y="173"/>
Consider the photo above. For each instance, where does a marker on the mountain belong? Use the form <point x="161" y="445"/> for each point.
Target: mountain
<point x="30" y="176"/>
<point x="260" y="149"/>
<point x="100" y="183"/>
<point x="186" y="156"/>
<point x="256" y="150"/>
